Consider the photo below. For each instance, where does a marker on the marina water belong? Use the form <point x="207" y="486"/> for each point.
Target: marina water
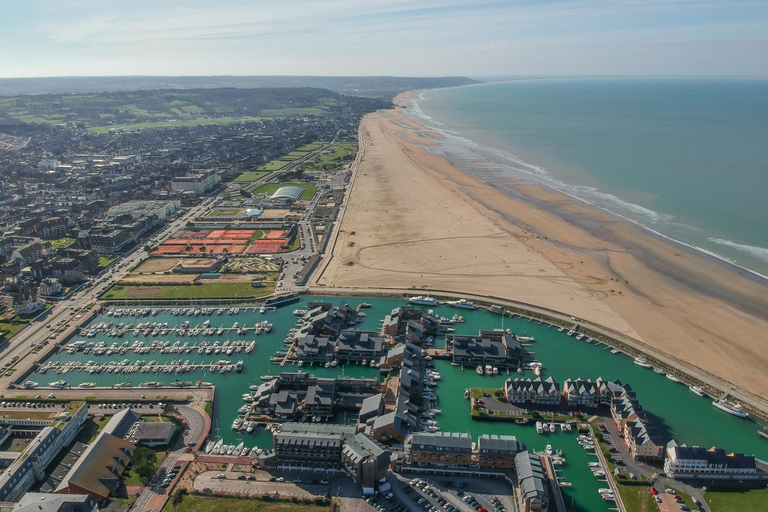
<point x="683" y="157"/>
<point x="674" y="409"/>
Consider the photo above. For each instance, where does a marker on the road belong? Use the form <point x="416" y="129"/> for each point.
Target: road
<point x="154" y="495"/>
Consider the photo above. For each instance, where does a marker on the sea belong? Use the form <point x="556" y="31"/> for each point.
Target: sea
<point x="685" y="158"/>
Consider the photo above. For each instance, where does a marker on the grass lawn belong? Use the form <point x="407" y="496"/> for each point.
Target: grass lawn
<point x="637" y="498"/>
<point x="292" y="111"/>
<point x="269" y="188"/>
<point x="198" y="291"/>
<point x="91" y="428"/>
<point x="9" y="329"/>
<point x="212" y="504"/>
<point x="132" y="478"/>
<point x="106" y="260"/>
<point x="231" y="212"/>
<point x="274" y="165"/>
<point x="61" y="242"/>
<point x="752" y="500"/>
<point x="250" y="176"/>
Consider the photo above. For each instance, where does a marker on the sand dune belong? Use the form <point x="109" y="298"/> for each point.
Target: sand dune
<point x="415" y="221"/>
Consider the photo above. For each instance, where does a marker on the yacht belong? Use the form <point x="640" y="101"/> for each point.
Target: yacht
<point x="461" y="303"/>
<point x="262" y="310"/>
<point x="479" y="369"/>
<point x="730" y="408"/>
<point x="423" y="300"/>
<point x="59" y="384"/>
<point x="697" y="390"/>
<point x="552" y="427"/>
<point x="488" y="369"/>
<point x="548" y="450"/>
<point x="237" y="424"/>
<point x="672" y="378"/>
<point x="87" y="385"/>
<point x="641" y="361"/>
<point x="250" y="427"/>
<point x="539" y="428"/>
<point x="299" y="312"/>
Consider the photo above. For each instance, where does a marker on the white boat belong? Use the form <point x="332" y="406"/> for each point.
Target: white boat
<point x="552" y="427"/>
<point x="237" y="423"/>
<point x="423" y="300"/>
<point x="87" y="385"/>
<point x="730" y="408"/>
<point x="59" y="384"/>
<point x="479" y="369"/>
<point x="461" y="303"/>
<point x="641" y="361"/>
<point x="548" y="450"/>
<point x="539" y="428"/>
<point x="250" y="427"/>
<point x="299" y="312"/>
<point x="658" y="370"/>
<point x="239" y="449"/>
<point x="495" y="371"/>
<point x="262" y="310"/>
<point x="209" y="447"/>
<point x="672" y="378"/>
<point x="697" y="390"/>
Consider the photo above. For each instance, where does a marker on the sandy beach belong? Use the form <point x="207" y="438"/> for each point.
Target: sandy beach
<point x="414" y="221"/>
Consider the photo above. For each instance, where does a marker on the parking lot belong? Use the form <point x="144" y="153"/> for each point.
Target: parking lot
<point x="451" y="495"/>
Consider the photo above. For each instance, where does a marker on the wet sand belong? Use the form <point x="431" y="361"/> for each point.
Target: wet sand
<point x="421" y="223"/>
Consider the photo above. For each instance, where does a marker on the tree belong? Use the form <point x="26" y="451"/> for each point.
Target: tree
<point x="144" y="462"/>
<point x="170" y="409"/>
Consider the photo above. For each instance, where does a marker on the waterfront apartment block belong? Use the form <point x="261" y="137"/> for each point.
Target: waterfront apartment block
<point x="446" y="449"/>
<point x="533" y="487"/>
<point x="453" y="450"/>
<point x="536" y="391"/>
<point x="366" y="460"/>
<point x="496" y="348"/>
<point x="311" y="445"/>
<point x="39" y="453"/>
<point x="714" y="464"/>
<point x="640" y="436"/>
<point x="359" y="346"/>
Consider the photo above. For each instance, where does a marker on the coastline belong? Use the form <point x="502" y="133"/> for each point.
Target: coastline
<point x="421" y="223"/>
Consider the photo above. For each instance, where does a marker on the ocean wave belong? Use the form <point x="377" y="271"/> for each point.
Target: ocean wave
<point x="641" y="216"/>
<point x="760" y="253"/>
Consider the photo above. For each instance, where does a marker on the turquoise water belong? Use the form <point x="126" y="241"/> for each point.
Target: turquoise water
<point x="675" y="410"/>
<point x="687" y="158"/>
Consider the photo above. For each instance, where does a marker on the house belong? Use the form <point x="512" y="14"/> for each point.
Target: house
<point x="496" y="348"/>
<point x="497" y="451"/>
<point x="312" y="348"/>
<point x="359" y="346"/>
<point x="581" y="393"/>
<point x="536" y="391"/>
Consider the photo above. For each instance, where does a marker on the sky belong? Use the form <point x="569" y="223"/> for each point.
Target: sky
<point x="476" y="38"/>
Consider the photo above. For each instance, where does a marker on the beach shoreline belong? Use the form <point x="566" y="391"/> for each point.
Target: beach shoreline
<point x="420" y="223"/>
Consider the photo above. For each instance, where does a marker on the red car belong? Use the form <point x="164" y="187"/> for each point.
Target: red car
<point x="654" y="491"/>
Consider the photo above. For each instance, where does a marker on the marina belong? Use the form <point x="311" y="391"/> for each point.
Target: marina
<point x="687" y="417"/>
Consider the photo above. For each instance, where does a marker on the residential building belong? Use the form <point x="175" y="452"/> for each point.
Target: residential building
<point x="497" y="451"/>
<point x="359" y="346"/>
<point x="366" y="460"/>
<point x="532" y="483"/>
<point x="196" y="183"/>
<point x="536" y="391"/>
<point x="440" y="449"/>
<point x="581" y="393"/>
<point x="496" y="348"/>
<point x="713" y="464"/>
<point x="300" y="445"/>
<point x="97" y="472"/>
<point x="46" y="502"/>
<point x="30" y="466"/>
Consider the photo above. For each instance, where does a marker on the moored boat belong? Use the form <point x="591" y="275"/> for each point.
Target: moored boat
<point x="641" y="361"/>
<point x="423" y="300"/>
<point x="697" y="390"/>
<point x="730" y="408"/>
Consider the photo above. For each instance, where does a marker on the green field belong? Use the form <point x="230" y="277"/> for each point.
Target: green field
<point x="753" y="500"/>
<point x="227" y="212"/>
<point x="274" y="165"/>
<point x="106" y="260"/>
<point x="272" y="187"/>
<point x="196" y="291"/>
<point x="250" y="176"/>
<point x="61" y="242"/>
<point x="174" y="123"/>
<point x="215" y="504"/>
<point x="294" y="111"/>
<point x="334" y="159"/>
